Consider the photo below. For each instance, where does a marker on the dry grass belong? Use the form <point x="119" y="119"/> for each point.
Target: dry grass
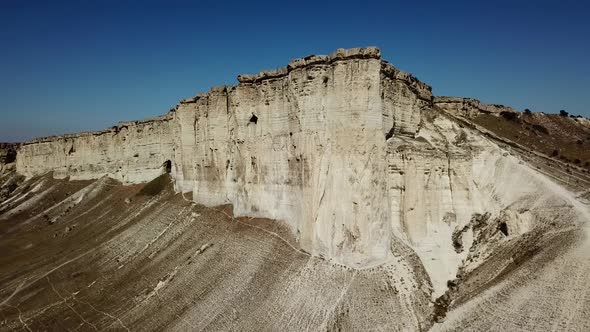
<point x="560" y="137"/>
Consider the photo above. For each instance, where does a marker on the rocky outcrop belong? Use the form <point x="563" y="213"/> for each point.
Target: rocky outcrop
<point x="469" y="107"/>
<point x="8" y="153"/>
<point x="404" y="99"/>
<point x="449" y="175"/>
<point x="583" y="121"/>
<point x="9" y="180"/>
<point x="346" y="149"/>
<point x="305" y="144"/>
<point x="131" y="152"/>
<point x="7" y="156"/>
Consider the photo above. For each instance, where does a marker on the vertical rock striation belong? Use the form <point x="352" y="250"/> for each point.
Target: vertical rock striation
<point x="345" y="148"/>
<point x="131" y="152"/>
<point x="305" y="144"/>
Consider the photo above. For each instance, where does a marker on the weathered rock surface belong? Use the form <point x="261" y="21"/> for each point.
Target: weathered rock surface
<point x="449" y="174"/>
<point x="305" y="144"/>
<point x="354" y="157"/>
<point x="142" y="257"/>
<point x="469" y="107"/>
<point x="131" y="152"/>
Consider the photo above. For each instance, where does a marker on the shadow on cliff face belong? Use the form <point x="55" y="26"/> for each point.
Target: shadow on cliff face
<point x="8" y="153"/>
<point x="167" y="165"/>
<point x="157" y="186"/>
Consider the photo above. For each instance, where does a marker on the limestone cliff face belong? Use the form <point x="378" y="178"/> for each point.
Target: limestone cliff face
<point x="457" y="196"/>
<point x="131" y="152"/>
<point x="347" y="150"/>
<point x="404" y="100"/>
<point x="305" y="144"/>
<point x="468" y="107"/>
<point x="360" y="161"/>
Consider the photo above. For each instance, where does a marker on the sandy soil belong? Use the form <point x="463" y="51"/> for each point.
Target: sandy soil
<point x="99" y="256"/>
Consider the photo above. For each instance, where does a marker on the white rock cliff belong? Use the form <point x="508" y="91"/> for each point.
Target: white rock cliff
<point x="345" y="148"/>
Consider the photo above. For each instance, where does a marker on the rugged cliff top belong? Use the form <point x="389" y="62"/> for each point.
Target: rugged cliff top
<point x="312" y="60"/>
<point x="565" y="138"/>
<point x="388" y="70"/>
<point x="112" y="130"/>
<point x="9" y="145"/>
<point x="473" y="103"/>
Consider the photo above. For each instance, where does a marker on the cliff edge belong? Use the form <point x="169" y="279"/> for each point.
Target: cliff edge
<point x="354" y="155"/>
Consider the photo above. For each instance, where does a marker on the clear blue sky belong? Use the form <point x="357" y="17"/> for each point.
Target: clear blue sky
<point x="85" y="65"/>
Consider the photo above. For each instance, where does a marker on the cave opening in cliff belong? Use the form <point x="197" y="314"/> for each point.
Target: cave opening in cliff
<point x="167" y="166"/>
<point x="389" y="134"/>
<point x="254" y="119"/>
<point x="503" y="228"/>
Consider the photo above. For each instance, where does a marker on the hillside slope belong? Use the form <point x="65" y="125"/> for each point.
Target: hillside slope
<point x="332" y="194"/>
<point x="142" y="257"/>
<point x="127" y="258"/>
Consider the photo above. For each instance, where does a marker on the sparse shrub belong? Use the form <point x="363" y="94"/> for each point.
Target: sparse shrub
<point x="554" y="153"/>
<point x="10" y="156"/>
<point x="579" y="142"/>
<point x="510" y="116"/>
<point x="527" y="111"/>
<point x="577" y="161"/>
<point x="563" y="113"/>
<point x="540" y="129"/>
<point x="48" y="219"/>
